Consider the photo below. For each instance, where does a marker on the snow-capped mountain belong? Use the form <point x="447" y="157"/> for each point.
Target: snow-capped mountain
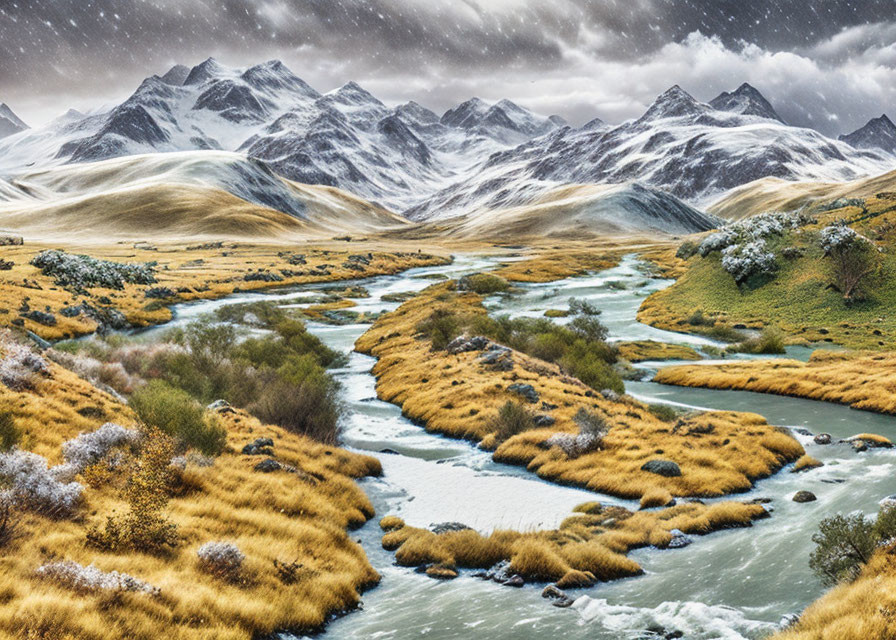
<point x="10" y="123"/>
<point x="477" y="156"/>
<point x="690" y="148"/>
<point x="747" y="101"/>
<point x="878" y="133"/>
<point x="345" y="138"/>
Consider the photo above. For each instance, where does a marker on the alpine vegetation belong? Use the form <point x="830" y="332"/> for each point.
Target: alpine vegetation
<point x="80" y="271"/>
<point x="19" y="365"/>
<point x="854" y="258"/>
<point x="222" y="559"/>
<point x="77" y="577"/>
<point x="31" y="484"/>
<point x="89" y="448"/>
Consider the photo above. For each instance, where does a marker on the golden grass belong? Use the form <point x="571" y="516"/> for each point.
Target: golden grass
<point x="861" y="380"/>
<point x="641" y="350"/>
<point x="807" y="462"/>
<point x="453" y="394"/>
<point x="548" y="265"/>
<point x="585" y="548"/>
<point x="280" y="516"/>
<point x="861" y="610"/>
<point x="206" y="273"/>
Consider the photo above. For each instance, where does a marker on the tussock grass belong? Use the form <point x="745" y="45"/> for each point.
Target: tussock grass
<point x="585" y="549"/>
<point x="641" y="350"/>
<point x="278" y="516"/>
<point x="862" y="380"/>
<point x="807" y="462"/>
<point x="455" y="395"/>
<point x="549" y="265"/>
<point x="201" y="273"/>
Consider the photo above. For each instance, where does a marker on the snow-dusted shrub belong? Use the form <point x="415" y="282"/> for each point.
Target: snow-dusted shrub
<point x="32" y="485"/>
<point x="221" y="558"/>
<point x="75" y="576"/>
<point x="110" y="377"/>
<point x="70" y="270"/>
<point x="19" y="365"/>
<point x="746" y="260"/>
<point x="838" y="237"/>
<point x="592" y="431"/>
<point x="717" y="241"/>
<point x="88" y="448"/>
<point x="755" y="228"/>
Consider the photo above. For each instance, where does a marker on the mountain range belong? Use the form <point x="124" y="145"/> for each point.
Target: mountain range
<point x="475" y="158"/>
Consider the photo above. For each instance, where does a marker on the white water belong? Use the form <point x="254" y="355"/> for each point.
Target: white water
<point x="731" y="584"/>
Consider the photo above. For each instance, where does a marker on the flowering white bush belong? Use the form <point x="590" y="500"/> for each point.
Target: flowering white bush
<point x="572" y="444"/>
<point x="80" y="578"/>
<point x="32" y="485"/>
<point x="19" y="364"/>
<point x="838" y="237"/>
<point x="758" y="227"/>
<point x="88" y="448"/>
<point x="222" y="558"/>
<point x="752" y="258"/>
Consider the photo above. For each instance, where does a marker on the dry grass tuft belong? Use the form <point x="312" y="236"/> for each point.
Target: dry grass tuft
<point x="641" y="350"/>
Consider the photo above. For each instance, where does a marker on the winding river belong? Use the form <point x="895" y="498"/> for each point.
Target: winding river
<point x="731" y="584"/>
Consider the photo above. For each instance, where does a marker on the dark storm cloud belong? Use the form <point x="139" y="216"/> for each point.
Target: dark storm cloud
<point x="581" y="59"/>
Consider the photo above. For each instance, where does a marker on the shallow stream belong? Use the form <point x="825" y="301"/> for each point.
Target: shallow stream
<point x="731" y="584"/>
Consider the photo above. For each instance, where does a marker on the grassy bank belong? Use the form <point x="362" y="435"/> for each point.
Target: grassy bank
<point x="460" y="395"/>
<point x="860" y="380"/>
<point x="296" y="562"/>
<point x="42" y="303"/>
<point x="801" y="294"/>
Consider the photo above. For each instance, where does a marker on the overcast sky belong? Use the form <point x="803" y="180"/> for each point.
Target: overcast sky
<point x="829" y="64"/>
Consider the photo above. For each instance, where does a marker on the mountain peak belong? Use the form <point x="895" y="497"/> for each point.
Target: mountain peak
<point x="745" y="100"/>
<point x="674" y="102"/>
<point x="273" y="75"/>
<point x="209" y="68"/>
<point x="467" y="114"/>
<point x="878" y="133"/>
<point x="10" y="123"/>
<point x="176" y="75"/>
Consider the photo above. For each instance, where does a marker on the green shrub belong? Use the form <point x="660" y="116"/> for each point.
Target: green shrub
<point x="686" y="250"/>
<point x="698" y="319"/>
<point x="771" y="340"/>
<point x="512" y="419"/>
<point x="267" y="313"/>
<point x="174" y="412"/>
<point x="578" y="307"/>
<point x="441" y="327"/>
<point x="665" y="412"/>
<point x="725" y="334"/>
<point x="589" y="328"/>
<point x="483" y="283"/>
<point x="302" y="398"/>
<point x="843" y="545"/>
<point x="10" y="434"/>
<point x="587" y="363"/>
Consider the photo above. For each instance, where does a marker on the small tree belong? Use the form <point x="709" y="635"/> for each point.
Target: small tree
<point x="854" y="258"/>
<point x="844" y="544"/>
<point x="512" y="418"/>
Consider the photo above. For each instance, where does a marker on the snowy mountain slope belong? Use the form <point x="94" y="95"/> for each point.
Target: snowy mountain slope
<point x="686" y="147"/>
<point x="582" y="210"/>
<point x="195" y="192"/>
<point x="345" y="138"/>
<point x="10" y="123"/>
<point x="878" y="133"/>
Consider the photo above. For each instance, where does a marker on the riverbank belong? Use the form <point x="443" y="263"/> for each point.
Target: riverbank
<point x="861" y="380"/>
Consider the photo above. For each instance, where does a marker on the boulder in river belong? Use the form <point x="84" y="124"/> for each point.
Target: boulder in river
<point x="679" y="539"/>
<point x="527" y="391"/>
<point x="665" y="468"/>
<point x="822" y="438"/>
<point x="804" y="496"/>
